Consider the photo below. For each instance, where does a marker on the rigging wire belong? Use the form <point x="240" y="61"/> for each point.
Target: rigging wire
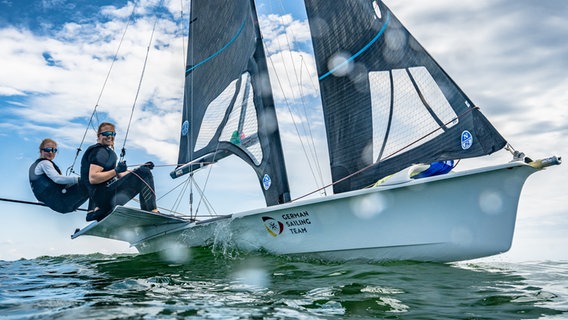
<point x="294" y="121"/>
<point x="203" y="200"/>
<point x="177" y="201"/>
<point x="314" y="151"/>
<point x="184" y="43"/>
<point x="309" y="146"/>
<point x="299" y="81"/>
<point x="123" y="151"/>
<point x="93" y="114"/>
<point x="190" y="200"/>
<point x="115" y="58"/>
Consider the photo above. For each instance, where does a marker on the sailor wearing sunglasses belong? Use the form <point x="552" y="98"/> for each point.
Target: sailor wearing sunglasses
<point x="111" y="184"/>
<point x="61" y="193"/>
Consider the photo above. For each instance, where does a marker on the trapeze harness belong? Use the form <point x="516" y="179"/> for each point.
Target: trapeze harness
<point x="54" y="195"/>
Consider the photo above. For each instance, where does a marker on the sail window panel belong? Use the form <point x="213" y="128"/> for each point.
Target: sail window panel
<point x="242" y="125"/>
<point x="434" y="96"/>
<point x="410" y="122"/>
<point x="214" y="115"/>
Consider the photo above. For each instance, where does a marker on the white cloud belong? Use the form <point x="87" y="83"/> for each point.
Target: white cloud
<point x="8" y="91"/>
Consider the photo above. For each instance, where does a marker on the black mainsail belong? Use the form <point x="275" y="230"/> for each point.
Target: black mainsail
<point x="228" y="106"/>
<point x="387" y="103"/>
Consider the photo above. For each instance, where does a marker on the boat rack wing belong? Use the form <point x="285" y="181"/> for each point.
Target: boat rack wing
<point x="132" y="225"/>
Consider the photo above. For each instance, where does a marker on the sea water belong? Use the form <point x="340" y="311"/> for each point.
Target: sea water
<point x="208" y="285"/>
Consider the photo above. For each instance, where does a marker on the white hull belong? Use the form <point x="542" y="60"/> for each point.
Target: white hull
<point x="458" y="216"/>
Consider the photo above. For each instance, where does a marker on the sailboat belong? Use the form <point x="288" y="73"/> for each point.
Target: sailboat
<point x="391" y="112"/>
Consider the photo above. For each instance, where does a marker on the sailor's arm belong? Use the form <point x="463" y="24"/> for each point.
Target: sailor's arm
<point x="98" y="176"/>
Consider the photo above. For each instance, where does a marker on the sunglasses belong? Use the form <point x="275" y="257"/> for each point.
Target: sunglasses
<point x="108" y="134"/>
<point x="54" y="150"/>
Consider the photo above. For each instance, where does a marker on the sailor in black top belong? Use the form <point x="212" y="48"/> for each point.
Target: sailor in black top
<point x="110" y="184"/>
<point x="60" y="193"/>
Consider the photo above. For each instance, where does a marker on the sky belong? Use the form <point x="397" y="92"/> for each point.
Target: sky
<point x="509" y="56"/>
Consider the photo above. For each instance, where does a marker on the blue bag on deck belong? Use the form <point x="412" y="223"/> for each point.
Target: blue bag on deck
<point x="436" y="168"/>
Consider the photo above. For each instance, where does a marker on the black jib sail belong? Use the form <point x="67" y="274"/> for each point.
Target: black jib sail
<point x="387" y="103"/>
<point x="228" y="105"/>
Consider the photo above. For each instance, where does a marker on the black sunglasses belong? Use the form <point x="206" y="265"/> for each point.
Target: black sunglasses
<point x="54" y="150"/>
<point x="108" y="134"/>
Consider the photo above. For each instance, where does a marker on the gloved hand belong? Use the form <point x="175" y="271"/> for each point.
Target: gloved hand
<point x="148" y="164"/>
<point x="120" y="167"/>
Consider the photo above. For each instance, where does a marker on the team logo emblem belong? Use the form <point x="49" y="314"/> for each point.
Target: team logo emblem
<point x="185" y="128"/>
<point x="273" y="226"/>
<point x="266" y="181"/>
<point x="466" y="140"/>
